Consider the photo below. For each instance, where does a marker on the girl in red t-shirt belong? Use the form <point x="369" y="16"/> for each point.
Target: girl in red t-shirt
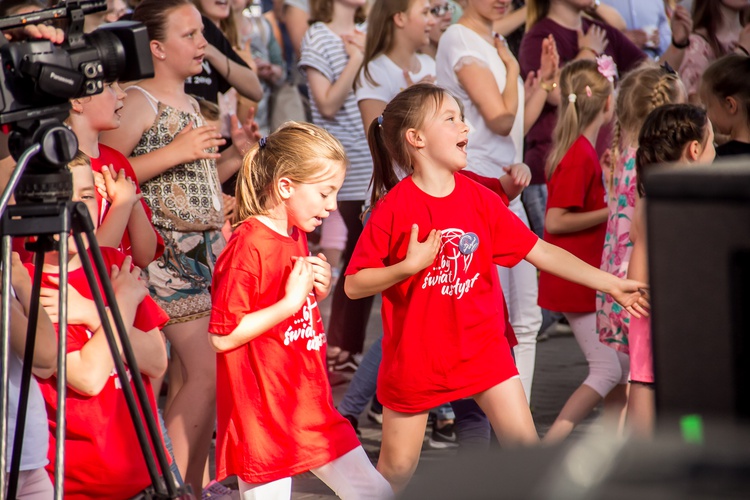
<point x="430" y="246"/>
<point x="576" y="221"/>
<point x="275" y="414"/>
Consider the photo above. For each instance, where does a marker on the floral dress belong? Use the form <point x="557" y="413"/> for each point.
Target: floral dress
<point x="612" y="320"/>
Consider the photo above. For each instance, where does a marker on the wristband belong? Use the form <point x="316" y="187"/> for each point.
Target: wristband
<point x="682" y="45"/>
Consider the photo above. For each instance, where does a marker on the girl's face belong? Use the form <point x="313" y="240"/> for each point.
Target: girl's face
<point x="442" y="11"/>
<point x="579" y="5"/>
<point x="103" y="110"/>
<point x="491" y="9"/>
<point x="307" y="204"/>
<point x="416" y="22"/>
<point x="445" y="136"/>
<point x="717" y="111"/>
<point x="239" y="5"/>
<point x="215" y="10"/>
<point x="184" y="45"/>
<point x="115" y="10"/>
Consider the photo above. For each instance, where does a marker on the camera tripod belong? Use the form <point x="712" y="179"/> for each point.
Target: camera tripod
<point x="53" y="214"/>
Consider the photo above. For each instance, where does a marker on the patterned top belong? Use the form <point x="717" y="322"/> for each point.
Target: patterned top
<point x="186" y="197"/>
<point x="698" y="56"/>
<point x="612" y="320"/>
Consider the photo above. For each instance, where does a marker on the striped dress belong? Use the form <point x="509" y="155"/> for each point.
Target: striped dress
<point x="324" y="51"/>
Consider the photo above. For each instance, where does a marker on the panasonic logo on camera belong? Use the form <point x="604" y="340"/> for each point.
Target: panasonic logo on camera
<point x="62" y="79"/>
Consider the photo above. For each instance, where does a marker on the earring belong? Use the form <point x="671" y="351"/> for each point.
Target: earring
<point x="163" y="56"/>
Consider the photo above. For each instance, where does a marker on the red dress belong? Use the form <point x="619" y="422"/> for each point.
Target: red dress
<point x="116" y="161"/>
<point x="275" y="413"/>
<point x="576" y="183"/>
<point x="102" y="455"/>
<point x="443" y="328"/>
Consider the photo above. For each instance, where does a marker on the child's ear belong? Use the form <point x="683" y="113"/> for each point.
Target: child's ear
<point x="414" y="138"/>
<point x="399" y="19"/>
<point x="157" y="50"/>
<point x="285" y="187"/>
<point x="730" y="103"/>
<point x="693" y="151"/>
<point x="76" y="105"/>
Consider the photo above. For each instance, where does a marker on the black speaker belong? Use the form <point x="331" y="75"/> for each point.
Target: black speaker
<point x="698" y="220"/>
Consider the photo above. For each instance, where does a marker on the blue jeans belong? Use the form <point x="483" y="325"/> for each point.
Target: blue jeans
<point x="168" y="446"/>
<point x="364" y="383"/>
<point x="534" y="198"/>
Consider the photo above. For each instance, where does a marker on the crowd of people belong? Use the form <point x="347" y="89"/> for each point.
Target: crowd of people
<point x="479" y="163"/>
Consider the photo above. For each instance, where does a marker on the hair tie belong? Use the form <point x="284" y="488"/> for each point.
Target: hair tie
<point x="262" y="142"/>
<point x="572" y="98"/>
<point x="380" y="121"/>
<point x="588" y="91"/>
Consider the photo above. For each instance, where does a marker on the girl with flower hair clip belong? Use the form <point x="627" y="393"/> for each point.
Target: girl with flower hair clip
<point x="576" y="221"/>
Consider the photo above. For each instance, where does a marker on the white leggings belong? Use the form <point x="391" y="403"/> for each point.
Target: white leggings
<point x="351" y="477"/>
<point x="607" y="367"/>
<point x="520" y="288"/>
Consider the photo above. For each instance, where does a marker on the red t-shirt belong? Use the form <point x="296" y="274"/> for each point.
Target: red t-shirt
<point x="109" y="156"/>
<point x="275" y="413"/>
<point x="577" y="184"/>
<point x="102" y="455"/>
<point x="443" y="327"/>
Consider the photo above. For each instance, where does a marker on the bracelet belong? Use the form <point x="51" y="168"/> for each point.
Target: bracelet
<point x="580" y="49"/>
<point x="548" y="87"/>
<point x="743" y="49"/>
<point x="229" y="70"/>
<point x="682" y="45"/>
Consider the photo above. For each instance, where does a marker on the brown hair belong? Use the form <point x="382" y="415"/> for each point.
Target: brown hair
<point x="321" y="11"/>
<point x="729" y="77"/>
<point x="665" y="133"/>
<point x="381" y="32"/>
<point x="641" y="91"/>
<point x="154" y="15"/>
<point x="79" y="160"/>
<point x="301" y="152"/>
<point x="387" y="134"/>
<point x="707" y="15"/>
<point x="577" y="109"/>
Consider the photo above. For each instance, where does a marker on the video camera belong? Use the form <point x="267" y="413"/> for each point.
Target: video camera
<point x="38" y="78"/>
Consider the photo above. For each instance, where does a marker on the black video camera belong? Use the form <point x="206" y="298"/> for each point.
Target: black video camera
<point x="38" y="79"/>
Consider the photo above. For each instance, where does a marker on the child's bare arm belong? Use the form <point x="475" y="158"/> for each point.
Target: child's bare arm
<point x="90" y="367"/>
<point x="517" y="178"/>
<point x="298" y="287"/>
<point x="122" y="193"/>
<point x="142" y="237"/>
<point x="45" y="348"/>
<point x="638" y="266"/>
<point x="371" y="281"/>
<point x="563" y="220"/>
<point x="150" y="351"/>
<point x="561" y="263"/>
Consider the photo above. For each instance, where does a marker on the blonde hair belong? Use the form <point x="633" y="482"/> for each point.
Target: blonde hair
<point x="584" y="92"/>
<point x="301" y="152"/>
<point x="536" y="10"/>
<point x="644" y="89"/>
<point x="81" y="159"/>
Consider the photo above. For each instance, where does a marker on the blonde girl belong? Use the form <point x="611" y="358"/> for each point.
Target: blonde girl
<point x="671" y="133"/>
<point x="576" y="221"/>
<point x="174" y="156"/>
<point x="642" y="90"/>
<point x="431" y="246"/>
<point x="275" y="410"/>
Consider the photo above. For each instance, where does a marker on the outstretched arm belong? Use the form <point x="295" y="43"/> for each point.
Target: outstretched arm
<point x="628" y="293"/>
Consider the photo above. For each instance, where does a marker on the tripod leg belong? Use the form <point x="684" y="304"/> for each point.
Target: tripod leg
<point x="132" y="363"/>
<point x="4" y="353"/>
<point x="62" y="367"/>
<point x="28" y="362"/>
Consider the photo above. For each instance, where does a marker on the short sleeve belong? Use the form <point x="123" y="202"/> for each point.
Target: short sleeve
<point x="456" y="51"/>
<point x="380" y="90"/>
<point x="373" y="246"/>
<point x="234" y="295"/>
<point x="312" y="52"/>
<point x="491" y="183"/>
